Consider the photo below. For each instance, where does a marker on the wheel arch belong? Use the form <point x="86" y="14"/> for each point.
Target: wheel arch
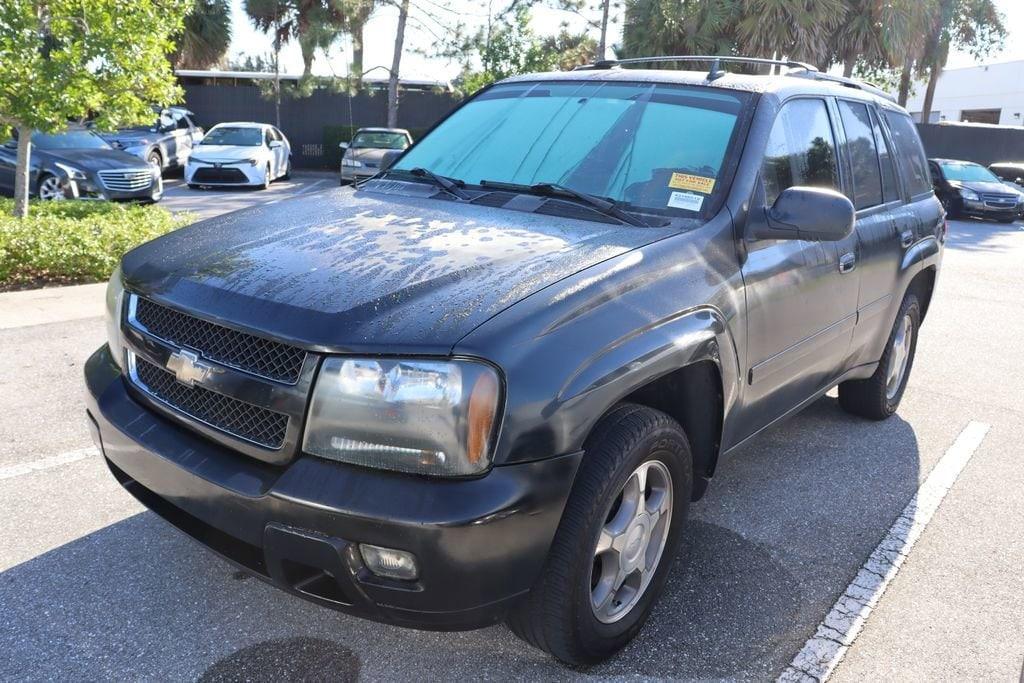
<point x="686" y="367"/>
<point x="923" y="284"/>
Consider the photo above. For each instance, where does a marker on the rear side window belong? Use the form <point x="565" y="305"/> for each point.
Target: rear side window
<point x="860" y="145"/>
<point x="801" y="149"/>
<point x="890" y="186"/>
<point x="910" y="151"/>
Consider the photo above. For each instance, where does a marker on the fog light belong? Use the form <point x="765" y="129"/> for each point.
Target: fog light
<point x="394" y="564"/>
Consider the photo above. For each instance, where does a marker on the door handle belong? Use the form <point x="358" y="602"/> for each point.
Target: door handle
<point x="906" y="238"/>
<point x="847" y="262"/>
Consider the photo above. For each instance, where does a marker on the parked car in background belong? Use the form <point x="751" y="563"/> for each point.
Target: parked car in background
<point x="969" y="189"/>
<point x="79" y="164"/>
<point x="166" y="144"/>
<point x="362" y="156"/>
<point x="490" y="383"/>
<point x="238" y="154"/>
<point x="1009" y="172"/>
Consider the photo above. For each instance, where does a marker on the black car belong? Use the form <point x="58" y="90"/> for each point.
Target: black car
<point x="79" y="164"/>
<point x="488" y="383"/>
<point x="969" y="189"/>
<point x="166" y="144"/>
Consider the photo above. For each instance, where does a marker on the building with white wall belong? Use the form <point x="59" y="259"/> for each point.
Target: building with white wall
<point x="990" y="93"/>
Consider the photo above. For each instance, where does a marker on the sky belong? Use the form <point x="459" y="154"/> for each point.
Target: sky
<point x="380" y="32"/>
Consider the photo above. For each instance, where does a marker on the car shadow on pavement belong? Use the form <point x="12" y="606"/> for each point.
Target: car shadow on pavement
<point x="981" y="235"/>
<point x="785" y="526"/>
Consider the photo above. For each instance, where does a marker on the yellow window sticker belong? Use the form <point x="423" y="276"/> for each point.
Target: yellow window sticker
<point x="696" y="183"/>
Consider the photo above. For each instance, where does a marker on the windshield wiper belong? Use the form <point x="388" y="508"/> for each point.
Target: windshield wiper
<point x="603" y="206"/>
<point x="449" y="185"/>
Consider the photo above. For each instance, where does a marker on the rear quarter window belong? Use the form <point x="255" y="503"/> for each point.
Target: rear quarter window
<point x="914" y="164"/>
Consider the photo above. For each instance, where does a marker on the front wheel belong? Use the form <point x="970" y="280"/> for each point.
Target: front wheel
<point x="618" y="537"/>
<point x="267" y="177"/>
<point x="879" y="396"/>
<point x="50" y="188"/>
<point x="287" y="175"/>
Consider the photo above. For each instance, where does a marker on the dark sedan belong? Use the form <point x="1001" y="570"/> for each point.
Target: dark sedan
<point x="78" y="164"/>
<point x="969" y="189"/>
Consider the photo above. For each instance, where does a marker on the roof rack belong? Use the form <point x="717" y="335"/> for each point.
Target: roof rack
<point x="848" y="82"/>
<point x="798" y="69"/>
<point x="716" y="60"/>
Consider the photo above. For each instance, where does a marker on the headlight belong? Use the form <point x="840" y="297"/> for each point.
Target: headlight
<point x="115" y="298"/>
<point x="969" y="195"/>
<point x="420" y="416"/>
<point x="252" y="162"/>
<point x="351" y="163"/>
<point x="73" y="173"/>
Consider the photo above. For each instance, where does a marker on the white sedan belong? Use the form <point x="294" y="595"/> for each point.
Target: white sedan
<point x="233" y="154"/>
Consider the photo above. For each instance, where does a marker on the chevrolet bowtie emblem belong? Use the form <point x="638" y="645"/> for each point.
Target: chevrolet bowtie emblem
<point x="187" y="367"/>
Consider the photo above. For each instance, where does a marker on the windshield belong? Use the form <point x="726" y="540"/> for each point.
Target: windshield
<point x="241" y="137"/>
<point x="648" y="146"/>
<point x="73" y="139"/>
<point x="380" y="141"/>
<point x="966" y="173"/>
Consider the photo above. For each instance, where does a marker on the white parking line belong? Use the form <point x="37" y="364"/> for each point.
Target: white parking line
<point x="836" y="633"/>
<point x="12" y="471"/>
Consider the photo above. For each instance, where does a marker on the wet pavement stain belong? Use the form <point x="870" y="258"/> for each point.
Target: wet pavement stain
<point x="289" y="659"/>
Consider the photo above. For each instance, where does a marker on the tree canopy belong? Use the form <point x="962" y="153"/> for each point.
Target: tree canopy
<point x="67" y="60"/>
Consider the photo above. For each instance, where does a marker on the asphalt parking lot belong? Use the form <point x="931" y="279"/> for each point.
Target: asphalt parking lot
<point x="93" y="587"/>
<point x="205" y="203"/>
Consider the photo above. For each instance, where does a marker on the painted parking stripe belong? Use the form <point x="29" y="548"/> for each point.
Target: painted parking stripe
<point x="835" y="634"/>
<point x="50" y="462"/>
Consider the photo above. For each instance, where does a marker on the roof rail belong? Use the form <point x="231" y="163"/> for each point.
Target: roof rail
<point x="843" y="80"/>
<point x="715" y="60"/>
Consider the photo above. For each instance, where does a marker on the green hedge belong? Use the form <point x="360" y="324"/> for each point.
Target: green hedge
<point x="74" y="242"/>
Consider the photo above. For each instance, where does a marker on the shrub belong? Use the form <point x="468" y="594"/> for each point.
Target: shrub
<point x="74" y="242"/>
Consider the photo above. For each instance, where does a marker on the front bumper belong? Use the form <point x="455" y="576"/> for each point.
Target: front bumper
<point x="352" y="174"/>
<point x="225" y="175"/>
<point x="981" y="209"/>
<point x="480" y="544"/>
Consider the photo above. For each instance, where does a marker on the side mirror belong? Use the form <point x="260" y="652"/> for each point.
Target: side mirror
<point x="809" y="213"/>
<point x="342" y="145"/>
<point x="274" y="144"/>
<point x="389" y="157"/>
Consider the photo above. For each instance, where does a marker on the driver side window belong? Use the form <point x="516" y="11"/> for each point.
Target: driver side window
<point x="801" y="150"/>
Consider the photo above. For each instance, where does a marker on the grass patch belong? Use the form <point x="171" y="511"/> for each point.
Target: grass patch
<point x="74" y="242"/>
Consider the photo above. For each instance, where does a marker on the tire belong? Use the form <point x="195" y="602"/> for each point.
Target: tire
<point x="194" y="186"/>
<point x="947" y="206"/>
<point x="287" y="175"/>
<point x="267" y="179"/>
<point x="878" y="397"/>
<point x="559" y="615"/>
<point x="154" y="159"/>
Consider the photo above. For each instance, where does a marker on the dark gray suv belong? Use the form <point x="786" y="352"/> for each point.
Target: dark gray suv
<point x="488" y="383"/>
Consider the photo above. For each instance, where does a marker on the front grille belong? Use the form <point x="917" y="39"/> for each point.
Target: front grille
<point x="210" y="174"/>
<point x="1003" y="201"/>
<point x="126" y="180"/>
<point x="244" y="420"/>
<point x="246" y="352"/>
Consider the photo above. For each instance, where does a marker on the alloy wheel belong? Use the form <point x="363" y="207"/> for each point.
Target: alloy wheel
<point x="631" y="542"/>
<point x="50" y="189"/>
<point x="899" y="357"/>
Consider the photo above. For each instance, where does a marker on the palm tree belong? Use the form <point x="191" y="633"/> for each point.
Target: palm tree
<point x="314" y="24"/>
<point x="206" y="35"/>
<point x="356" y="13"/>
<point x="679" y="27"/>
<point x="799" y="30"/>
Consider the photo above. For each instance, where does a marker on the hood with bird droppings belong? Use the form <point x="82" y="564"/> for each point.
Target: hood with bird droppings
<point x="359" y="271"/>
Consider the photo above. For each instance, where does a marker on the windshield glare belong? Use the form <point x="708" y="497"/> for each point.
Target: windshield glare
<point x="73" y="139"/>
<point x="379" y="141"/>
<point x="966" y="173"/>
<point x="654" y="147"/>
<point x="240" y="137"/>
